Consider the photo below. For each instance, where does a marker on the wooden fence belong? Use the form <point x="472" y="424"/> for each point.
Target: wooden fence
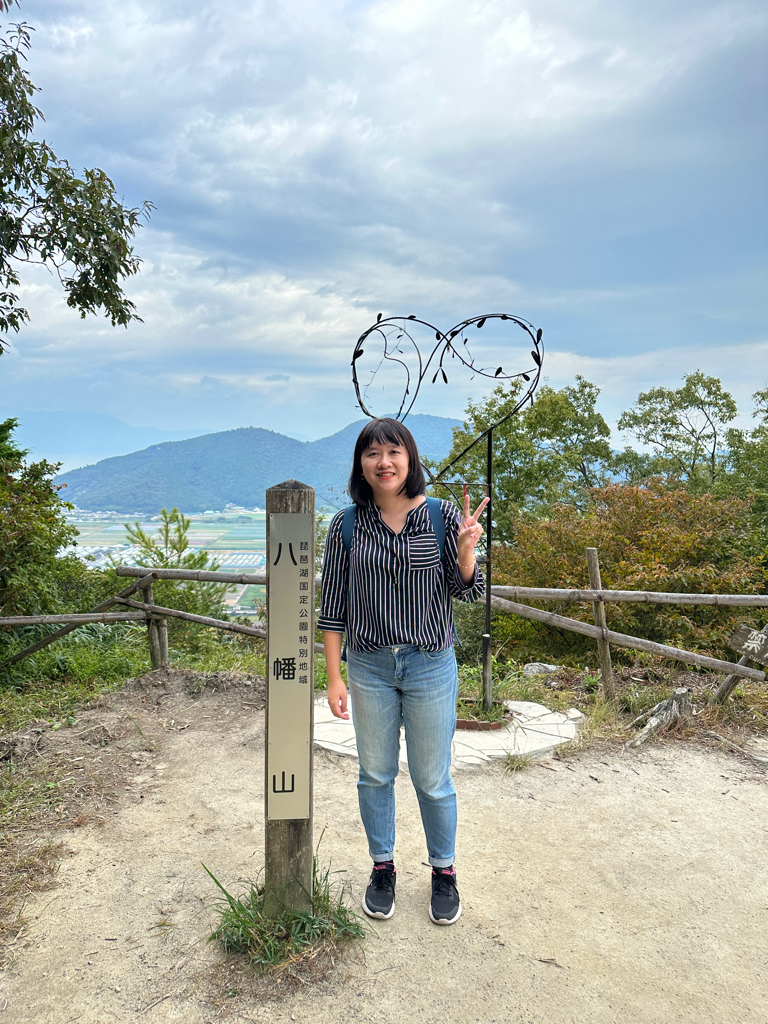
<point x="500" y="599"/>
<point x="504" y="599"/>
<point x="145" y="610"/>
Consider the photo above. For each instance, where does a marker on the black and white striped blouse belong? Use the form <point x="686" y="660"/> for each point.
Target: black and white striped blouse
<point x="398" y="591"/>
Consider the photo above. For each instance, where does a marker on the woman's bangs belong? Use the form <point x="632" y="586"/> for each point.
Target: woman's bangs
<point x="382" y="433"/>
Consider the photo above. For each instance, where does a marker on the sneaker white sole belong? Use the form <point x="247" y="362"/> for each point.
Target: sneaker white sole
<point x="378" y="913"/>
<point x="436" y="920"/>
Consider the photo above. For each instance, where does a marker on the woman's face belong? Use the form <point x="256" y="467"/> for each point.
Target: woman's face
<point x="385" y="467"/>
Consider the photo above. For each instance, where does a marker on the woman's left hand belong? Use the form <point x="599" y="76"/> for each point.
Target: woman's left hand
<point x="470" y="531"/>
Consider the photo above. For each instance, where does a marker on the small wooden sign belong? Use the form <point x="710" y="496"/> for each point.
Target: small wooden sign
<point x="751" y="643"/>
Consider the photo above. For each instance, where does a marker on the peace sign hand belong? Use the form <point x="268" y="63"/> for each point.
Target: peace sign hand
<point x="470" y="531"/>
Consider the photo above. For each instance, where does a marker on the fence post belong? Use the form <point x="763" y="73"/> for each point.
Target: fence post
<point x="598" y="608"/>
<point x="162" y="636"/>
<point x="288" y="845"/>
<point x="155" y="651"/>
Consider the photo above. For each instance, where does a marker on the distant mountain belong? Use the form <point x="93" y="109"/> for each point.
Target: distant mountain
<point x="234" y="466"/>
<point x="80" y="438"/>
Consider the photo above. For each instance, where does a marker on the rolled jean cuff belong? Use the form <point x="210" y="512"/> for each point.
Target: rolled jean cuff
<point x="438" y="862"/>
<point x="389" y="859"/>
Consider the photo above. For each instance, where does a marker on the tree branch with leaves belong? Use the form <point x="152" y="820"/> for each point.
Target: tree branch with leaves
<point x="76" y="225"/>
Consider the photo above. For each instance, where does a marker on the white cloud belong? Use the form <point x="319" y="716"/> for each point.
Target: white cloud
<point x="315" y="164"/>
<point x="742" y="369"/>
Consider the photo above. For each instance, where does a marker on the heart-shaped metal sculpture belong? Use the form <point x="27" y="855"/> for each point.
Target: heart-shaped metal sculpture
<point x="395" y="336"/>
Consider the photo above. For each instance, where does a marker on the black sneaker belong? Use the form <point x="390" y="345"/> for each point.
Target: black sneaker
<point x="445" y="907"/>
<point x="379" y="899"/>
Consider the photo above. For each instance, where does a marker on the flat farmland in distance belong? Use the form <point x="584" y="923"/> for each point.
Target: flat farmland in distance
<point x="237" y="541"/>
<point x="226" y="533"/>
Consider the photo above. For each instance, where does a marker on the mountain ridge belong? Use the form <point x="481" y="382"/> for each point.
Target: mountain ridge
<point x="231" y="467"/>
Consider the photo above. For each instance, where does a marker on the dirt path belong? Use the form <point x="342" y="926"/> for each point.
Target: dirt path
<point x="613" y="887"/>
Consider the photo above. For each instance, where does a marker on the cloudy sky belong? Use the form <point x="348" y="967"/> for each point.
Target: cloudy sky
<point x="596" y="167"/>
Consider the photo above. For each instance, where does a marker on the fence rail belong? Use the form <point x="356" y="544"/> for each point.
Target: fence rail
<point x="625" y="640"/>
<point x="197" y="575"/>
<point x="75" y="619"/>
<point x="511" y="593"/>
<point x="154" y="615"/>
<point x="634" y="596"/>
<point x="500" y="599"/>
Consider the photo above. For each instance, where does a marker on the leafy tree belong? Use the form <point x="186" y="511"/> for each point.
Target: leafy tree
<point x="170" y="549"/>
<point x="551" y="451"/>
<point x="686" y="429"/>
<point x="747" y="462"/>
<point x="10" y="452"/>
<point x="573" y="433"/>
<point x="48" y="214"/>
<point x="33" y="529"/>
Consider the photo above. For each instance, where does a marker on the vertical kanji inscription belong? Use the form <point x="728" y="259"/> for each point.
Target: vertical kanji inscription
<point x="289" y="675"/>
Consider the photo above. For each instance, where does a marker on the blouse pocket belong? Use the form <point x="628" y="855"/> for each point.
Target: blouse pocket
<point x="423" y="552"/>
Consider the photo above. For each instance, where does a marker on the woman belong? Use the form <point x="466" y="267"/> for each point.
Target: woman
<point x="389" y="589"/>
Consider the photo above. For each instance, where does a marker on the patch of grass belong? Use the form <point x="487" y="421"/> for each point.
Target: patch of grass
<point x="25" y="792"/>
<point x="516" y="686"/>
<point x="212" y="650"/>
<point x="474" y="711"/>
<point x="603" y="722"/>
<point x="516" y="762"/>
<point x="275" y="940"/>
<point x="95" y="659"/>
<point x="31" y="791"/>
<point x="636" y="699"/>
<point x="513" y="684"/>
<point x="45" y="699"/>
<point x="745" y="709"/>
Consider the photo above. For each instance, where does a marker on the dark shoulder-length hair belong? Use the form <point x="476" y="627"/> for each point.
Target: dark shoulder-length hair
<point x="385" y="431"/>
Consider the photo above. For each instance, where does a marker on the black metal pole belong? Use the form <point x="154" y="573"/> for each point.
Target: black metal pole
<point x="487" y="650"/>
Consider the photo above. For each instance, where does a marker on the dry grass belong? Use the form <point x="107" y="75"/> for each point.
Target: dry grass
<point x="30" y="792"/>
<point x="25" y="868"/>
<point x="517" y="762"/>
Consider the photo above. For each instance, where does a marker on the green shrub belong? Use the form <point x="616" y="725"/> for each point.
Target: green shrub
<point x="647" y="538"/>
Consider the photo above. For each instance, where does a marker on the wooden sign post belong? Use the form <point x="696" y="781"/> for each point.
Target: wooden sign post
<point x="290" y="690"/>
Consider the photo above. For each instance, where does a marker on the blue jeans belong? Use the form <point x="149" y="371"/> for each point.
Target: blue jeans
<point x="396" y="686"/>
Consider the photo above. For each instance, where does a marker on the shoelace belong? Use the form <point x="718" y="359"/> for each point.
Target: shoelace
<point x="444" y="884"/>
<point x="383" y="879"/>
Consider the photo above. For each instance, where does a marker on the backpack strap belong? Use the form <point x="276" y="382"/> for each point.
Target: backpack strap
<point x="348" y="527"/>
<point x="438" y="523"/>
<point x="435" y="515"/>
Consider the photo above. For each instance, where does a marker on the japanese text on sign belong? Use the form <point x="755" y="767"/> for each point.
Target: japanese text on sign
<point x="289" y="670"/>
<point x="752" y="643"/>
